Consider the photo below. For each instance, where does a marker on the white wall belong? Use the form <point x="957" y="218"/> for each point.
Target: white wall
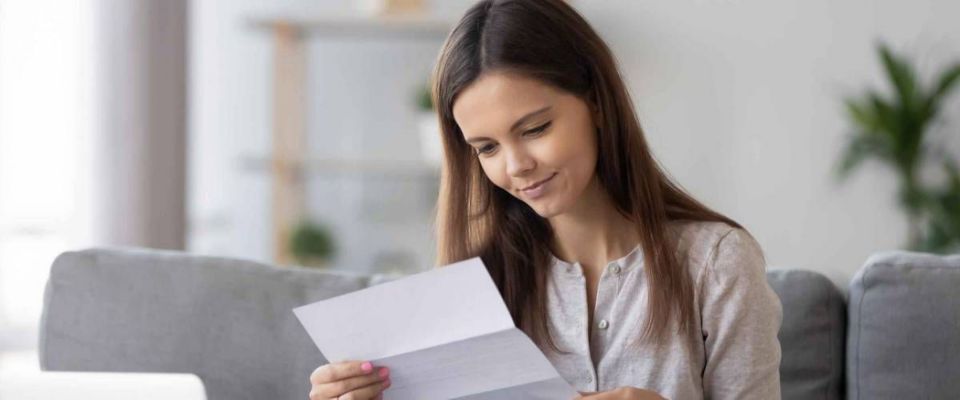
<point x="741" y="101"/>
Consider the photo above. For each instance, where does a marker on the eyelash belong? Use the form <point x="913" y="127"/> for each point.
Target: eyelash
<point x="533" y="132"/>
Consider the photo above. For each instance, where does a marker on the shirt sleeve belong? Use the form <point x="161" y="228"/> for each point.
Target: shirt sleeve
<point x="740" y="317"/>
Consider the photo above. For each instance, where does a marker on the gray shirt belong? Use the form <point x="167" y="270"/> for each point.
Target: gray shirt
<point x="733" y="354"/>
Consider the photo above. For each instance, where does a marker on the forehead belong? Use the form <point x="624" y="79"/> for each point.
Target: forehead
<point x="494" y="101"/>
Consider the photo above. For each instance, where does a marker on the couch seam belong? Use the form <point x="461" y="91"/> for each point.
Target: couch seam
<point x="863" y="294"/>
<point x="43" y="327"/>
<point x="826" y="305"/>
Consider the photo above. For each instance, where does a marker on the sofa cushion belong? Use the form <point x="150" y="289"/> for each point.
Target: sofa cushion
<point x="904" y="326"/>
<point x="811" y="336"/>
<point x="227" y="321"/>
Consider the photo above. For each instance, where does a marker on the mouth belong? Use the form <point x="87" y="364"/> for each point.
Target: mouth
<point x="536" y="185"/>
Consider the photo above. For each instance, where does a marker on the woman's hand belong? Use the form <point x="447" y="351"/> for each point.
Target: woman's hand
<point x="349" y="380"/>
<point x="623" y="393"/>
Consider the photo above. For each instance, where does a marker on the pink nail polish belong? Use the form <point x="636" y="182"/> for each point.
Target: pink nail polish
<point x="366" y="367"/>
<point x="384" y="372"/>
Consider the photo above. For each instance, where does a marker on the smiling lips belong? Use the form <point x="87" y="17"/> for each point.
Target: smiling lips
<point x="537" y="189"/>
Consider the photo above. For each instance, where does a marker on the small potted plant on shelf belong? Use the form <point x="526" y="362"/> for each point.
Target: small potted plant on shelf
<point x="429" y="127"/>
<point x="312" y="244"/>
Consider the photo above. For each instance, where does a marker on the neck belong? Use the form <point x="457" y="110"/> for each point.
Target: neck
<point x="593" y="233"/>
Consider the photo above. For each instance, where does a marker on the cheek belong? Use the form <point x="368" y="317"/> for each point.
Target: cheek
<point x="587" y="162"/>
<point x="578" y="158"/>
<point x="572" y="152"/>
<point x="494" y="172"/>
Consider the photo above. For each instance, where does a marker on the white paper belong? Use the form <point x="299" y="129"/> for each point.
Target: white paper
<point x="444" y="334"/>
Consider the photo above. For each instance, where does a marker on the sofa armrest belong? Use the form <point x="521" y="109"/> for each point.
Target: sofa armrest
<point x="227" y="321"/>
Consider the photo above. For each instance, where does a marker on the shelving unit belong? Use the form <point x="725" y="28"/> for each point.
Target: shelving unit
<point x="355" y="26"/>
<point x="287" y="163"/>
<point x="339" y="166"/>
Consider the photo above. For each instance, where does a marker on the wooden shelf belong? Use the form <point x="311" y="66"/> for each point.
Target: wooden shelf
<point x="289" y="34"/>
<point x="359" y="26"/>
<point x="334" y="166"/>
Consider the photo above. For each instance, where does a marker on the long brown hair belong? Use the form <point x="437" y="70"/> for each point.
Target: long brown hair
<point x="549" y="41"/>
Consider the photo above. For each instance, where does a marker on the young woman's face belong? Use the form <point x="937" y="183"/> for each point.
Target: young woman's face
<point x="533" y="140"/>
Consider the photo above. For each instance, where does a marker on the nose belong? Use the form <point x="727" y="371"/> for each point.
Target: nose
<point x="519" y="162"/>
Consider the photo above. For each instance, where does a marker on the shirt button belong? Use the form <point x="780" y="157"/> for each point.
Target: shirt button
<point x="614" y="269"/>
<point x="603" y="324"/>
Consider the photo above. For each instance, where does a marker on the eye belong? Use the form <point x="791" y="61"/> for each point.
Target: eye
<point x="486" y="149"/>
<point x="538" y="130"/>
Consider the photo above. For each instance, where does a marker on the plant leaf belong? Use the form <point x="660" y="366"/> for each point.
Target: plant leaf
<point x="888" y="122"/>
<point x="948" y="78"/>
<point x="860" y="148"/>
<point x="901" y="75"/>
<point x="913" y="112"/>
<point x="861" y="116"/>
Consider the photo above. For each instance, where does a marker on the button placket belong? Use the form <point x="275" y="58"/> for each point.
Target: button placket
<point x="617" y="271"/>
<point x="606" y="293"/>
<point x="578" y="280"/>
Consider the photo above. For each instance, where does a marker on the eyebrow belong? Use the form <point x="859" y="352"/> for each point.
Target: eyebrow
<point x="517" y="124"/>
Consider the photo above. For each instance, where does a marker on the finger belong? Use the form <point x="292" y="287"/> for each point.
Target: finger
<point x="333" y="372"/>
<point x="344" y="386"/>
<point x="367" y="392"/>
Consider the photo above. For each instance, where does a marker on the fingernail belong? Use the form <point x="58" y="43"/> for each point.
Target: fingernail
<point x="387" y="384"/>
<point x="366" y="367"/>
<point x="384" y="372"/>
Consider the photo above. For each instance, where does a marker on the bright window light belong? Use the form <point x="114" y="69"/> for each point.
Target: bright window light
<point x="44" y="152"/>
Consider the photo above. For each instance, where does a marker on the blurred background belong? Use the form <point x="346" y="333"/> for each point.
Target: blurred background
<point x="296" y="132"/>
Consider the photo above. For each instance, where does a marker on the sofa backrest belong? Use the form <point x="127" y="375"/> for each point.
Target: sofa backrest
<point x="812" y="336"/>
<point x="228" y="321"/>
<point x="904" y="328"/>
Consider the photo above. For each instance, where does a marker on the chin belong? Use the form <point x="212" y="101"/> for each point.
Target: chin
<point x="546" y="210"/>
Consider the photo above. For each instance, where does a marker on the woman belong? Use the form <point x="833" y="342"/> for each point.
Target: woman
<point x="631" y="287"/>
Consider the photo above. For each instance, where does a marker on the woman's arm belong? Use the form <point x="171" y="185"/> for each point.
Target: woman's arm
<point x="623" y="393"/>
<point x="741" y="317"/>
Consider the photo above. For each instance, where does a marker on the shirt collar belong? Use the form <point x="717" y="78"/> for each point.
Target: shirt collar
<point x="633" y="259"/>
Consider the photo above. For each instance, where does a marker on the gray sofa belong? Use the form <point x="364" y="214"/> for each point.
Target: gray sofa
<point x="229" y="322"/>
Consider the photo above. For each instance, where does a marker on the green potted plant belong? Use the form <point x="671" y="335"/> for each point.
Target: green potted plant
<point x="894" y="129"/>
<point x="312" y="244"/>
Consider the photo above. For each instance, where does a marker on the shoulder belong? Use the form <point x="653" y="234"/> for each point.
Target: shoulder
<point x="704" y="245"/>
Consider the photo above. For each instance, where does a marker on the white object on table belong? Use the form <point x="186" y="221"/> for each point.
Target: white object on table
<point x="100" y="385"/>
<point x="443" y="334"/>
